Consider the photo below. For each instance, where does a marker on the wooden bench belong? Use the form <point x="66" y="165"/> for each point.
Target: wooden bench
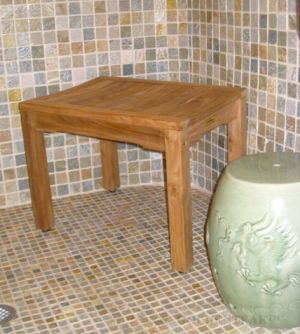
<point x="161" y="116"/>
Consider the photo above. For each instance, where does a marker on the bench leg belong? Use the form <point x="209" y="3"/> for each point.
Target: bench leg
<point x="237" y="132"/>
<point x="110" y="165"/>
<point x="179" y="200"/>
<point x="38" y="175"/>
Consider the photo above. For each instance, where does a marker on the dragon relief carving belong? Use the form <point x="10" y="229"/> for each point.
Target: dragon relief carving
<point x="266" y="253"/>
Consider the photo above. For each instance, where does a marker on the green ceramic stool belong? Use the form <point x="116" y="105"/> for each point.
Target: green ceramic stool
<point x="253" y="239"/>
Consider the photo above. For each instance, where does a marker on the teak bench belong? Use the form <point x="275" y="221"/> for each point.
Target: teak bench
<point x="162" y="116"/>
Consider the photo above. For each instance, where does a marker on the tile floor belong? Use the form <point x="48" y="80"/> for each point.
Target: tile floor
<point x="105" y="268"/>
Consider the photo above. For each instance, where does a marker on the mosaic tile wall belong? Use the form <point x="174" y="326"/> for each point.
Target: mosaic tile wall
<point x="253" y="44"/>
<point x="46" y="46"/>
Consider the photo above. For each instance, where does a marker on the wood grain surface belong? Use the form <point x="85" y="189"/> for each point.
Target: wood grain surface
<point x="162" y="116"/>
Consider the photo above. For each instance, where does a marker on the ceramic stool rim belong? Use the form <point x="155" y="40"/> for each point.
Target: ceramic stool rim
<point x="266" y="169"/>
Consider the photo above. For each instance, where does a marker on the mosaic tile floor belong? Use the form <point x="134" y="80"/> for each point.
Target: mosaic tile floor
<point x="105" y="268"/>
